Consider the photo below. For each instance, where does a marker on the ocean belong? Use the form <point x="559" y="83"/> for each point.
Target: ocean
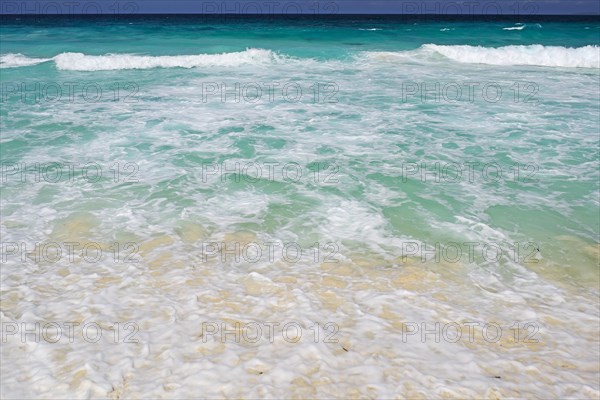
<point x="278" y="207"/>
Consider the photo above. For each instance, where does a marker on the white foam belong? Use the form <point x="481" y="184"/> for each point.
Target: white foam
<point x="11" y="60"/>
<point x="369" y="294"/>
<point x="83" y="62"/>
<point x="514" y="28"/>
<point x="549" y="56"/>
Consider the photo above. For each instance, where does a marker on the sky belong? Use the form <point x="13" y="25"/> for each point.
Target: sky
<point x="308" y="7"/>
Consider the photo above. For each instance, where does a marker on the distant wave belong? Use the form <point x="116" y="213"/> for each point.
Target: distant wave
<point x="515" y="28"/>
<point x="520" y="27"/>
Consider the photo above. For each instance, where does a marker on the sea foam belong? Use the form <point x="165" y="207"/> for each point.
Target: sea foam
<point x="548" y="56"/>
<point x="11" y="60"/>
<point x="537" y="55"/>
<point x="82" y="62"/>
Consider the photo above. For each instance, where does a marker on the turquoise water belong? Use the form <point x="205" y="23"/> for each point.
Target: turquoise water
<point x="323" y="38"/>
<point x="369" y="118"/>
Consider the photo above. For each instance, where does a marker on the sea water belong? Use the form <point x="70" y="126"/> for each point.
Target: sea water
<point x="355" y="207"/>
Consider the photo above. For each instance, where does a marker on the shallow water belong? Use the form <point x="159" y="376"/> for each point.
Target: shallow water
<point x="349" y="180"/>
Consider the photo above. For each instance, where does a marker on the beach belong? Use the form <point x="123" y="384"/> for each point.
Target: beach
<point x="351" y="207"/>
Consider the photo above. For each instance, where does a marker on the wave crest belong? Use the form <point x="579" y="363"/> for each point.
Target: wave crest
<point x="538" y="55"/>
<point x="11" y="60"/>
<point x="82" y="62"/>
<point x="514" y="28"/>
<point x="548" y="56"/>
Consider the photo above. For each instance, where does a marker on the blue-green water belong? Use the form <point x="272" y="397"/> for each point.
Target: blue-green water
<point x="324" y="38"/>
<point x="385" y="115"/>
<point x="345" y="131"/>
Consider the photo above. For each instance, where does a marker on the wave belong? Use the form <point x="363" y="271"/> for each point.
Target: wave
<point x="547" y="56"/>
<point x="19" y="60"/>
<point x="538" y="55"/>
<point x="514" y="28"/>
<point x="83" y="62"/>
